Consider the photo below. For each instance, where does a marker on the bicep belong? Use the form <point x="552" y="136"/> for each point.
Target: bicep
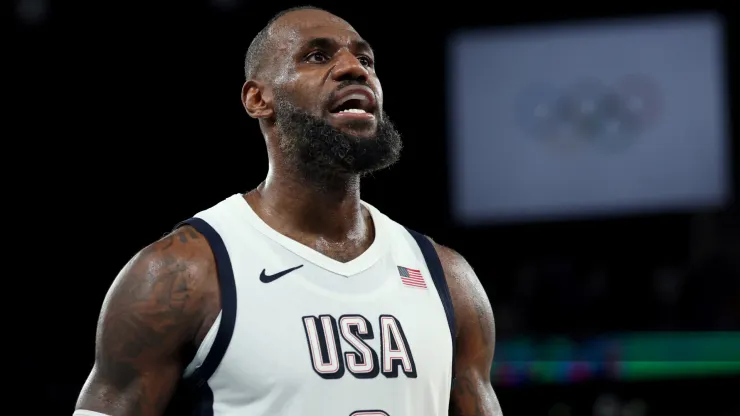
<point x="124" y="389"/>
<point x="149" y="315"/>
<point x="472" y="393"/>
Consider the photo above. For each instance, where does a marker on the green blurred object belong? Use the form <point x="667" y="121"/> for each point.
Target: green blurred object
<point x="624" y="357"/>
<point x="648" y="370"/>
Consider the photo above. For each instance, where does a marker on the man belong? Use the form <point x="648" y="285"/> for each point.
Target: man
<point x="298" y="298"/>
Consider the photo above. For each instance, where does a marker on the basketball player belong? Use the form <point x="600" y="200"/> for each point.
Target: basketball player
<point x="298" y="298"/>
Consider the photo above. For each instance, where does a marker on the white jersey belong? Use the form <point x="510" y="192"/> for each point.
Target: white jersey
<point x="303" y="334"/>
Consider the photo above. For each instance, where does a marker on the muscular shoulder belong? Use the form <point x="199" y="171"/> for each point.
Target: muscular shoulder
<point x="183" y="252"/>
<point x="171" y="283"/>
<point x="151" y="317"/>
<point x="473" y="310"/>
<point x="461" y="278"/>
<point x="476" y="338"/>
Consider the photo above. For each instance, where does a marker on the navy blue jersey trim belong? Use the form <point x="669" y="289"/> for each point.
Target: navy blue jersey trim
<point x="228" y="301"/>
<point x="438" y="277"/>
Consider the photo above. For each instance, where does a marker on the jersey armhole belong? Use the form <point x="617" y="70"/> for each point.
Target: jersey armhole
<point x="227" y="317"/>
<point x="440" y="283"/>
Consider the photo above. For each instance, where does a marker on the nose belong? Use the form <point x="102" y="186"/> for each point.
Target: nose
<point x="348" y="67"/>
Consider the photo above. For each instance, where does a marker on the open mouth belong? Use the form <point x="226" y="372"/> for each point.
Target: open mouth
<point x="350" y="107"/>
<point x="353" y="104"/>
<point x="354" y="101"/>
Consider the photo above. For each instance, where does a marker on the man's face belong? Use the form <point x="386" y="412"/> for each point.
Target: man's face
<point x="328" y="102"/>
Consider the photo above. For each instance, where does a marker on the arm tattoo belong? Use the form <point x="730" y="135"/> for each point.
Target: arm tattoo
<point x="150" y="313"/>
<point x="465" y="394"/>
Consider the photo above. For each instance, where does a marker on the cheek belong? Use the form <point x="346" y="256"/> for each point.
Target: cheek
<point x="285" y="77"/>
<point x="303" y="101"/>
<point x="284" y="70"/>
<point x="308" y="96"/>
<point x="379" y="91"/>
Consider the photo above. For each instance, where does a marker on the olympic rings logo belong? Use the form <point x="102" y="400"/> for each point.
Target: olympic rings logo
<point x="591" y="112"/>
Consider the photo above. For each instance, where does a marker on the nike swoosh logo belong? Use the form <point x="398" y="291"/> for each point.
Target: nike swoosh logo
<point x="265" y="278"/>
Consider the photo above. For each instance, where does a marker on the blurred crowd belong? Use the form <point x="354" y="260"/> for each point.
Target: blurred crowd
<point x="570" y="295"/>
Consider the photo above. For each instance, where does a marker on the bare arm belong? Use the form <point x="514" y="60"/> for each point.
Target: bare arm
<point x="472" y="393"/>
<point x="159" y="304"/>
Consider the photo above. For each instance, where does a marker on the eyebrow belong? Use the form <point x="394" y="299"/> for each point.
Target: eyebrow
<point x="329" y="43"/>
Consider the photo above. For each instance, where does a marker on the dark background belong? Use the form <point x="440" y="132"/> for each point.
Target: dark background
<point x="127" y="119"/>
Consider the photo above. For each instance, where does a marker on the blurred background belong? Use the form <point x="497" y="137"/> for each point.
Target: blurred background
<point x="583" y="157"/>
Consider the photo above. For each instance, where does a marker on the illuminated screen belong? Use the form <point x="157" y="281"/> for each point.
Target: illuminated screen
<point x="622" y="357"/>
<point x="614" y="117"/>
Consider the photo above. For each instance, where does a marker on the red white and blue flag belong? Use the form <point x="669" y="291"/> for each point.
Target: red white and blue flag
<point x="411" y="277"/>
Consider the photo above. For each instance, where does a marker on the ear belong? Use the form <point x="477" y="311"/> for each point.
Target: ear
<point x="256" y="100"/>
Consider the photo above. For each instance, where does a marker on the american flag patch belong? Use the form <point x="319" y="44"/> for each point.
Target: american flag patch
<point x="411" y="277"/>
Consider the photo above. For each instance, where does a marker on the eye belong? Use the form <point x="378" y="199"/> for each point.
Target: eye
<point x="365" y="61"/>
<point x="317" y="57"/>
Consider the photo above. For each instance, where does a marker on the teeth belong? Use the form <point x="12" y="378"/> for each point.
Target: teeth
<point x="353" y="110"/>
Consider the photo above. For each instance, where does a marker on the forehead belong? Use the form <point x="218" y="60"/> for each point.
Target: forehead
<point x="296" y="28"/>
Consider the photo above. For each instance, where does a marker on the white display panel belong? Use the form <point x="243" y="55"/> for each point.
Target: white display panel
<point x="614" y="117"/>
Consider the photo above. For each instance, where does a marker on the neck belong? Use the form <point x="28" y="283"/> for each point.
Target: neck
<point x="295" y="205"/>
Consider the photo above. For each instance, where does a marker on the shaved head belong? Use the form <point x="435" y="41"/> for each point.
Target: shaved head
<point x="311" y="82"/>
<point x="263" y="44"/>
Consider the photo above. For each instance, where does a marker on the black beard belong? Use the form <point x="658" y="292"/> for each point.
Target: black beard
<point x="323" y="154"/>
